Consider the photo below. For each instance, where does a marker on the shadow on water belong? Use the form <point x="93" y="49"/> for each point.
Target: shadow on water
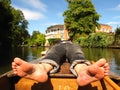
<point x="5" y="58"/>
<point x="7" y="54"/>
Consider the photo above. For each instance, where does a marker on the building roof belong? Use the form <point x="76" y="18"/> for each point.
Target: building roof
<point x="106" y="25"/>
<point x="59" y="26"/>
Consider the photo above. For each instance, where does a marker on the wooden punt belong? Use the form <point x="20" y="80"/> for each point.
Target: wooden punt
<point x="63" y="80"/>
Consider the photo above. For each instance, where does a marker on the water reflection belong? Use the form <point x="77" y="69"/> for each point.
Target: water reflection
<point x="112" y="56"/>
<point x="97" y="53"/>
<point x="5" y="58"/>
<point x="31" y="53"/>
<point x="8" y="54"/>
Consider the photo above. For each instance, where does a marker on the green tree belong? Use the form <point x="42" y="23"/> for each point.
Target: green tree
<point x="18" y="27"/>
<point x="117" y="36"/>
<point x="81" y="17"/>
<point x="37" y="39"/>
<point x="53" y="41"/>
<point x="34" y="34"/>
<point x="96" y="40"/>
<point x="5" y="19"/>
<point x="40" y="40"/>
<point x="12" y="25"/>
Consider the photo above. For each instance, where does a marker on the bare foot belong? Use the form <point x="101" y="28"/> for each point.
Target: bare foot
<point x="88" y="74"/>
<point x="36" y="72"/>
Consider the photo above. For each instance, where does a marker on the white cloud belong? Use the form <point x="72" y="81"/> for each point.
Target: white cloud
<point x="32" y="15"/>
<point x="60" y="14"/>
<point x="48" y="24"/>
<point x="117" y="8"/>
<point x="116" y="17"/>
<point x="113" y="23"/>
<point x="36" y="4"/>
<point x="29" y="14"/>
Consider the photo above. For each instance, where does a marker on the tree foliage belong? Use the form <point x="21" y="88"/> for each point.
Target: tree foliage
<point x="81" y="17"/>
<point x="18" y="28"/>
<point x="5" y="18"/>
<point x="12" y="25"/>
<point x="117" y="36"/>
<point x="96" y="40"/>
<point x="37" y="39"/>
<point x="53" y="41"/>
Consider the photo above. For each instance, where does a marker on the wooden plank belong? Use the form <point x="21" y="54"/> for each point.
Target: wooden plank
<point x="109" y="81"/>
<point x="5" y="83"/>
<point x="63" y="80"/>
<point x="60" y="84"/>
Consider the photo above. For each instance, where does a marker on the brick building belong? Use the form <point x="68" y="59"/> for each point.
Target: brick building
<point x="59" y="31"/>
<point x="104" y="28"/>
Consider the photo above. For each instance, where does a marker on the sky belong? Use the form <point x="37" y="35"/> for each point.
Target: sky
<point x="41" y="14"/>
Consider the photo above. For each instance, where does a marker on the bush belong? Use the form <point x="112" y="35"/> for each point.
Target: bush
<point x="96" y="40"/>
<point x="53" y="41"/>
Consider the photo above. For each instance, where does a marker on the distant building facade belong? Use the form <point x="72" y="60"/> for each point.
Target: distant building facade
<point x="59" y="31"/>
<point x="104" y="28"/>
<point x="56" y="31"/>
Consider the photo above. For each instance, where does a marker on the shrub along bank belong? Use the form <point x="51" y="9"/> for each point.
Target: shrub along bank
<point x="101" y="40"/>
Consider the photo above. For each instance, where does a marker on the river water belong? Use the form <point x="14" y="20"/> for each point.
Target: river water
<point x="32" y="53"/>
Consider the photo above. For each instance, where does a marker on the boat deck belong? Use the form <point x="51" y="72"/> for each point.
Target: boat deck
<point x="63" y="80"/>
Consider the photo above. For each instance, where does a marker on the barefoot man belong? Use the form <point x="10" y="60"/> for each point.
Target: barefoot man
<point x="51" y="62"/>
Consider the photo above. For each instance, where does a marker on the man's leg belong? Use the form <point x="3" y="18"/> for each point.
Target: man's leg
<point x="85" y="72"/>
<point x="54" y="57"/>
<point x="38" y="72"/>
<point x="88" y="74"/>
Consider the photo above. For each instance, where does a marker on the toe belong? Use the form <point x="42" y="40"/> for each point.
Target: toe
<point x="101" y="62"/>
<point x="18" y="61"/>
